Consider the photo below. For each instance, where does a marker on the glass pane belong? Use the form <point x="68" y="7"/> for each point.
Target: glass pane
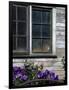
<point x="14" y="43"/>
<point x="21" y="42"/>
<point x="21" y="28"/>
<point x="36" y="29"/>
<point x="21" y="13"/>
<point x="14" y="28"/>
<point x="46" y="45"/>
<point x="14" y="13"/>
<point x="36" y="17"/>
<point x="46" y="17"/>
<point x="36" y="45"/>
<point x="46" y="32"/>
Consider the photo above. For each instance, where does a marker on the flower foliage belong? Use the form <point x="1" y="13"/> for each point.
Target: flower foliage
<point x="32" y="72"/>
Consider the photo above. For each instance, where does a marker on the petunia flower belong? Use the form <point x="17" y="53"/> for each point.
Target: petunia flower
<point x="52" y="75"/>
<point x="40" y="74"/>
<point x="56" y="78"/>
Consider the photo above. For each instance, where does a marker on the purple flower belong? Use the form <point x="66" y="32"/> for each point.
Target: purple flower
<point x="40" y="74"/>
<point x="46" y="72"/>
<point x="52" y="75"/>
<point x="24" y="77"/>
<point x="19" y="73"/>
<point x="56" y="78"/>
<point x="16" y="70"/>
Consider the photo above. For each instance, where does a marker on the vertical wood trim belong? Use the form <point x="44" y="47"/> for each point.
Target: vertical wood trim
<point x="30" y="29"/>
<point x="54" y="30"/>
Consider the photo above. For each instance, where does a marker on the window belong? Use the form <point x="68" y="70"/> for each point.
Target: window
<point x="19" y="27"/>
<point x="32" y="32"/>
<point x="41" y="30"/>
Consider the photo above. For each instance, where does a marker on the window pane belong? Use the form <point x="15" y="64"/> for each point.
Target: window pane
<point x="36" y="29"/>
<point x="14" y="28"/>
<point x="36" y="45"/>
<point x="21" y="42"/>
<point x="46" y="17"/>
<point x="46" y="45"/>
<point x="21" y="28"/>
<point x="14" y="42"/>
<point x="14" y="13"/>
<point x="46" y="32"/>
<point x="36" y="17"/>
<point x="21" y="13"/>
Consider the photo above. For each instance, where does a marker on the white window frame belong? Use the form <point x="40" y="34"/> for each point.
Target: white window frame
<point x="53" y="32"/>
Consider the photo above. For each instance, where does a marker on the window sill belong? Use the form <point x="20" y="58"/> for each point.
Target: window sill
<point x="27" y="55"/>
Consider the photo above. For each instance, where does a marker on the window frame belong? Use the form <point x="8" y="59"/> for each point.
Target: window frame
<point x="53" y="31"/>
<point x="29" y="31"/>
<point x="26" y="35"/>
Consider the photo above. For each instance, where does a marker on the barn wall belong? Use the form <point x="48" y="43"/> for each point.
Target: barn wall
<point x="52" y="64"/>
<point x="60" y="32"/>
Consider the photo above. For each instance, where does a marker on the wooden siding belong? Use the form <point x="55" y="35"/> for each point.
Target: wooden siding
<point x="54" y="65"/>
<point x="60" y="38"/>
<point x="60" y="32"/>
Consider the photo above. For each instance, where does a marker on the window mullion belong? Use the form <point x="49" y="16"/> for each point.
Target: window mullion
<point x="51" y="30"/>
<point x="30" y="29"/>
<point x="41" y="30"/>
<point x="16" y="27"/>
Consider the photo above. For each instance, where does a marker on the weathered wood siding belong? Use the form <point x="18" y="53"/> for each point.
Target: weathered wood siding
<point x="54" y="65"/>
<point x="60" y="38"/>
<point x="60" y="32"/>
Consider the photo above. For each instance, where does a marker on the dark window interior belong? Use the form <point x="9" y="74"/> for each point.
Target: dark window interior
<point x="21" y="11"/>
<point x="19" y="26"/>
<point x="41" y="30"/>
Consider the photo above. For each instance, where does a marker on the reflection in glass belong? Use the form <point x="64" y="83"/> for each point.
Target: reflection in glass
<point x="14" y="42"/>
<point x="21" y="12"/>
<point x="14" y="28"/>
<point x="36" y="45"/>
<point x="36" y="16"/>
<point x="36" y="31"/>
<point x="46" y="31"/>
<point x="46" y="17"/>
<point x="14" y="13"/>
<point x="46" y="45"/>
<point x="41" y="30"/>
<point x="21" y="42"/>
<point x="21" y="28"/>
